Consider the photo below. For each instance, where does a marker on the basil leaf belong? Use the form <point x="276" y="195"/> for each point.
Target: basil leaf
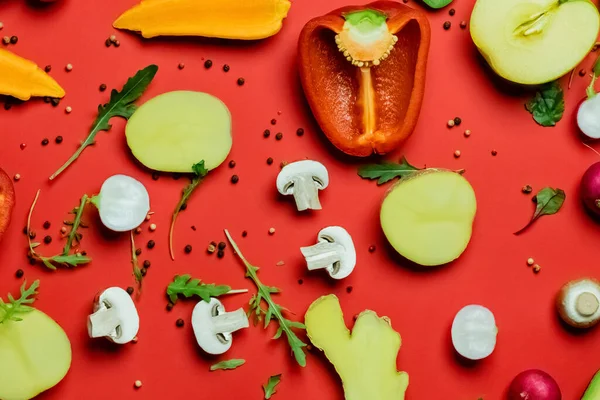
<point x="387" y="171"/>
<point x="548" y="202"/>
<point x="227" y="364"/>
<point x="437" y="3"/>
<point x="270" y="387"/>
<point x="548" y="105"/>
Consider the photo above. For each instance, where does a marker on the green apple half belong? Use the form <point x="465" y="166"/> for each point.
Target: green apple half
<point x="534" y="41"/>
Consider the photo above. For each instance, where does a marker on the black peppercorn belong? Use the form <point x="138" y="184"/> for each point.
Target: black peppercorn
<point x="46" y="99"/>
<point x="207" y="64"/>
<point x="463" y="24"/>
<point x="48" y="68"/>
<point x="58" y="139"/>
<point x="494" y="153"/>
<point x="244" y="233"/>
<point x="226" y="68"/>
<point x="19" y="273"/>
<point x="220" y="253"/>
<point x="47" y="239"/>
<point x="241" y="81"/>
<point x="457" y="121"/>
<point x="270" y="160"/>
<point x="138" y="252"/>
<point x="447" y="25"/>
<point x="266" y="133"/>
<point x="183" y="207"/>
<point x="150" y="244"/>
<point x="188" y="249"/>
<point x="180" y="323"/>
<point x="169" y="306"/>
<point x="14" y="40"/>
<point x="32" y="234"/>
<point x="235" y="179"/>
<point x="45" y="142"/>
<point x="130" y="290"/>
<point x="222" y="246"/>
<point x="147" y="263"/>
<point x="194" y="228"/>
<point x="279" y="136"/>
<point x="372" y="249"/>
<point x="300" y="132"/>
<point x="349" y="289"/>
<point x="102" y="87"/>
<point x="55" y="101"/>
<point x="107" y="42"/>
<point x="273" y="121"/>
<point x="25" y="231"/>
<point x="231" y="164"/>
<point x="47" y="225"/>
<point x="300" y="281"/>
<point x="452" y="12"/>
<point x="155" y="176"/>
<point x="143" y="271"/>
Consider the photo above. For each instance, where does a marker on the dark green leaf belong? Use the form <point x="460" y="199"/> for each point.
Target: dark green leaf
<point x="596" y="69"/>
<point x="548" y="202"/>
<point x="228" y="364"/>
<point x="548" y="105"/>
<point x="188" y="287"/>
<point x="387" y="171"/>
<point x="199" y="169"/>
<point x="270" y="387"/>
<point x="437" y="3"/>
<point x="120" y="105"/>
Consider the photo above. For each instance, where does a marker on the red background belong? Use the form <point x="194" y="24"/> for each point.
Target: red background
<point x="421" y="304"/>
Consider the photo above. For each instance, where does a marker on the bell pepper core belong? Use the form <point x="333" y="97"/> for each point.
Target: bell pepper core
<point x="363" y="73"/>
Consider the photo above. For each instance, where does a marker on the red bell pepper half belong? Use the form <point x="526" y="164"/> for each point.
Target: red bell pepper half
<point x="363" y="72"/>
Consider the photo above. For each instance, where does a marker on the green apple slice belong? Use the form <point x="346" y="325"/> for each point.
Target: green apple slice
<point x="534" y="41"/>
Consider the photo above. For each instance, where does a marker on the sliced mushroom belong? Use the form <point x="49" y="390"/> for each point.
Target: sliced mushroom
<point x="123" y="203"/>
<point x="213" y="326"/>
<point x="333" y="252"/>
<point x="115" y="317"/>
<point x="578" y="303"/>
<point x="303" y="179"/>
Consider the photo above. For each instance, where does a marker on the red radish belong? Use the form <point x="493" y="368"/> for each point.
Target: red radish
<point x="7" y="201"/>
<point x="534" y="384"/>
<point x="590" y="189"/>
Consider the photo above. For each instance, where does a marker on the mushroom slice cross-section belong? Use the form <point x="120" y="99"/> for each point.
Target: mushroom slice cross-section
<point x="578" y="303"/>
<point x="334" y="252"/>
<point x="303" y="179"/>
<point x="213" y="326"/>
<point x="115" y="317"/>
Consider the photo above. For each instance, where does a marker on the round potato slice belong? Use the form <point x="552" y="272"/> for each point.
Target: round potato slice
<point x="428" y="217"/>
<point x="176" y="130"/>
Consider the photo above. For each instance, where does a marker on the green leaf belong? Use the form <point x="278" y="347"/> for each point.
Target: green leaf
<point x="75" y="226"/>
<point x="274" y="310"/>
<point x="270" y="387"/>
<point x="119" y="105"/>
<point x="19" y="306"/>
<point x="227" y="364"/>
<point x="186" y="286"/>
<point x="596" y="68"/>
<point x="548" y="105"/>
<point x="386" y="171"/>
<point x="199" y="173"/>
<point x="548" y="202"/>
<point x="437" y="3"/>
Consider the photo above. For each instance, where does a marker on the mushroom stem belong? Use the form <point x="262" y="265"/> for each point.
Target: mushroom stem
<point x="587" y="304"/>
<point x="306" y="193"/>
<point x="322" y="255"/>
<point x="103" y="322"/>
<point x="230" y="322"/>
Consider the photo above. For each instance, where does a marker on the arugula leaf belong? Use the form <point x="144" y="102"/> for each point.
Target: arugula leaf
<point x="188" y="287"/>
<point x="437" y="3"/>
<point x="119" y="105"/>
<point x="63" y="259"/>
<point x="137" y="272"/>
<point x="73" y="234"/>
<point x="591" y="91"/>
<point x="386" y="171"/>
<point x="19" y="306"/>
<point x="274" y="310"/>
<point x="548" y="202"/>
<point x="227" y="364"/>
<point x="199" y="173"/>
<point x="270" y="387"/>
<point x="548" y="105"/>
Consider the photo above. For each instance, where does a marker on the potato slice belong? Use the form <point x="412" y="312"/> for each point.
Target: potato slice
<point x="428" y="217"/>
<point x="365" y="358"/>
<point x="35" y="355"/>
<point x="176" y="130"/>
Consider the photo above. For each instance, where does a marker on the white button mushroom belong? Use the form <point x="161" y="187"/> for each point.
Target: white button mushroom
<point x="123" y="203"/>
<point x="303" y="179"/>
<point x="213" y="326"/>
<point x="578" y="303"/>
<point x="474" y="332"/>
<point x="115" y="317"/>
<point x="334" y="252"/>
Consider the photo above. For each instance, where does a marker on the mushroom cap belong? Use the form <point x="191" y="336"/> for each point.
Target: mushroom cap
<point x="285" y="179"/>
<point x="339" y="235"/>
<point x="123" y="203"/>
<point x="118" y="299"/>
<point x="578" y="303"/>
<point x="204" y="329"/>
